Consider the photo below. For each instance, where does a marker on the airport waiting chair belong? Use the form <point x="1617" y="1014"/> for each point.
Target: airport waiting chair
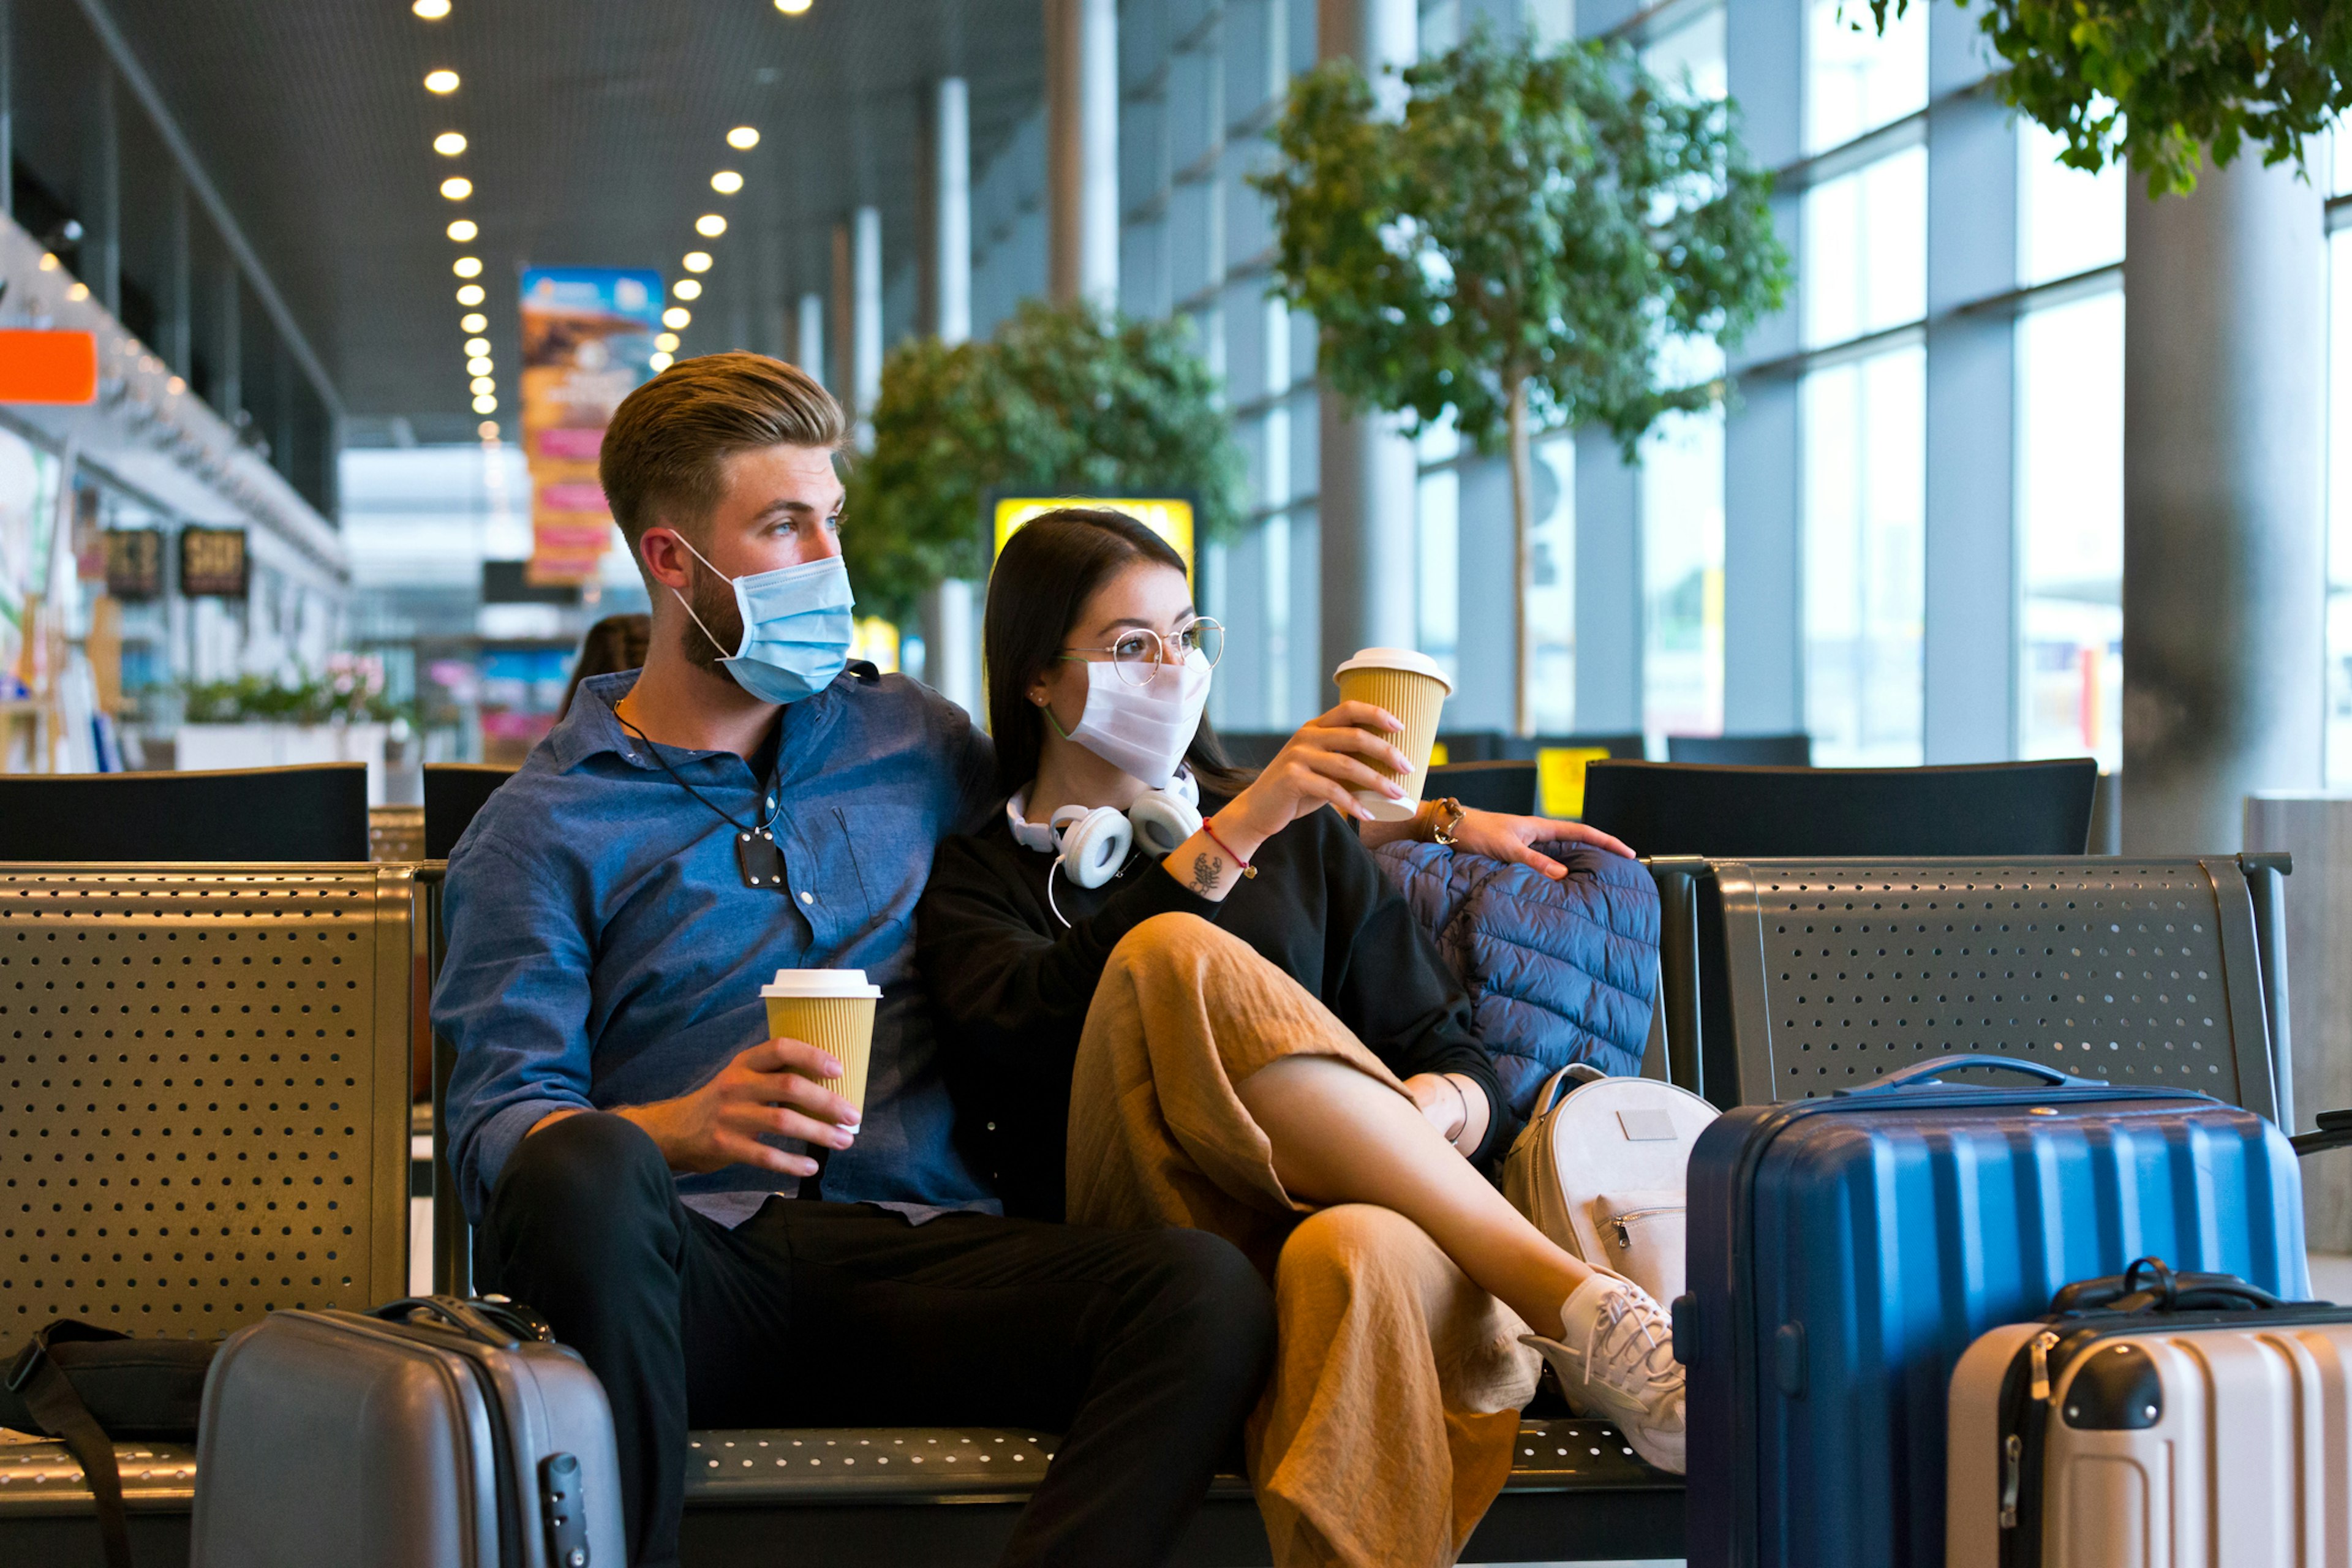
<point x="1621" y="748"/>
<point x="1800" y="977"/>
<point x="242" y="815"/>
<point x="1473" y="745"/>
<point x="1742" y="751"/>
<point x="1508" y="787"/>
<point x="1995" y="808"/>
<point x="454" y="792"/>
<point x="1252" y="748"/>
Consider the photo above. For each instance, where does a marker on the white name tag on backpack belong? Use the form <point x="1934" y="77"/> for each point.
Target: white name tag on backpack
<point x="1601" y="1170"/>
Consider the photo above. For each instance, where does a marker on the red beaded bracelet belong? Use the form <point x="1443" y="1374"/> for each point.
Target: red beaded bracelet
<point x="1248" y="870"/>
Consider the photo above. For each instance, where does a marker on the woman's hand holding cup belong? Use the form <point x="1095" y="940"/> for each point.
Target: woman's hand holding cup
<point x="1342" y="751"/>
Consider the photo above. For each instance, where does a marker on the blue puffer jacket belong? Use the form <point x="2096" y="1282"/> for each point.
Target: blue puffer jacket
<point x="1556" y="971"/>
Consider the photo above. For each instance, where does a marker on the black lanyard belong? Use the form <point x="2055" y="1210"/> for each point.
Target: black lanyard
<point x="757" y="854"/>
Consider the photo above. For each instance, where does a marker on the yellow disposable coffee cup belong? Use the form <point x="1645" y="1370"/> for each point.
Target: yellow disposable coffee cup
<point x="832" y="1009"/>
<point x="1410" y="685"/>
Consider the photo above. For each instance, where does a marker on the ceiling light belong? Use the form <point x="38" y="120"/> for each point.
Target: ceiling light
<point x="697" y="262"/>
<point x="471" y="294"/>
<point x="686" y="289"/>
<point x="441" y="81"/>
<point x="80" y="292"/>
<point x="488" y="429"/>
<point x="467" y="267"/>
<point x="431" y="10"/>
<point x="457" y="188"/>
<point x="711" y="225"/>
<point x="462" y="230"/>
<point x="475" y="323"/>
<point x="449" y="144"/>
<point x="480" y="365"/>
<point x="49" y="262"/>
<point x="726" y="181"/>
<point x="793" y="8"/>
<point x="660" y="363"/>
<point x="482" y="385"/>
<point x="744" y="137"/>
<point x="486" y="403"/>
<point x="676" y="316"/>
<point x="176" y="386"/>
<point x="478" y="345"/>
<point x="665" y="341"/>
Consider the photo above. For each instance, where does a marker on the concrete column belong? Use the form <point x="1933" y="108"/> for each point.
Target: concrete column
<point x="843" y="383"/>
<point x="1609" y="606"/>
<point x="1486" y="551"/>
<point x="1969" y="657"/>
<point x="948" y="306"/>
<point x="1082" y="149"/>
<point x="2225" y="542"/>
<point x="1367" y="471"/>
<point x="949" y="615"/>
<point x="866" y="311"/>
<point x="178" y="287"/>
<point x="228" y="346"/>
<point x="808" y="335"/>
<point x="101" y="243"/>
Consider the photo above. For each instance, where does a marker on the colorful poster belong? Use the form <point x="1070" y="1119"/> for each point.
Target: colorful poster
<point x="587" y="341"/>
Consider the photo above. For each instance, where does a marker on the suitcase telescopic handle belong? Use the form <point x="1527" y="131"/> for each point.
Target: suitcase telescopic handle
<point x="1933" y="1072"/>
<point x="492" y="1323"/>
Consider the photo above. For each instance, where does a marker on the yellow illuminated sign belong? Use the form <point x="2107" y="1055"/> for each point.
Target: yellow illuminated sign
<point x="1559" y="778"/>
<point x="1171" y="519"/>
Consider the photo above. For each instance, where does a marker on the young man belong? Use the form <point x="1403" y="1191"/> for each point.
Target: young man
<point x="629" y="1144"/>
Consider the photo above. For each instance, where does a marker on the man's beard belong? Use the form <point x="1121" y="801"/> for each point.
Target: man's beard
<point x="713" y="600"/>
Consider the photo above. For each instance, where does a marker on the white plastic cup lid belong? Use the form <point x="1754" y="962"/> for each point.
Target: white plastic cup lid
<point x="820" y="983"/>
<point x="1404" y="658"/>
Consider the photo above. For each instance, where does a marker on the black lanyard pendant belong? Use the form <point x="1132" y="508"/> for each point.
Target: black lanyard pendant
<point x="761" y="859"/>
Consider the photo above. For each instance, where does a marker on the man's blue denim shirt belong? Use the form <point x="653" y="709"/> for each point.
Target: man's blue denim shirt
<point x="603" y="949"/>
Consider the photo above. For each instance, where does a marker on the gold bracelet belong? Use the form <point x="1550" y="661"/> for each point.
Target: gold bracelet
<point x="1449" y="822"/>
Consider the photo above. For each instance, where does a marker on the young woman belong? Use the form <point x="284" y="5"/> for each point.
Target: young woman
<point x="1248" y="1029"/>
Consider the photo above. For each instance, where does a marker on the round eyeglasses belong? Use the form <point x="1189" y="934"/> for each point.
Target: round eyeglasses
<point x="1138" y="654"/>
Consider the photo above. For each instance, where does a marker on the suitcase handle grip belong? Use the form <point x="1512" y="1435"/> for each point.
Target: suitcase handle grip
<point x="1932" y="1072"/>
<point x="493" y="1322"/>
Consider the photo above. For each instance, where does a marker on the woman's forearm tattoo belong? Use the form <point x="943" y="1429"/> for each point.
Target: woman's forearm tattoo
<point x="1206" y="873"/>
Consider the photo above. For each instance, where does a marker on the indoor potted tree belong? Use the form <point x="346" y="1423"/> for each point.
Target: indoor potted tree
<point x="1520" y="247"/>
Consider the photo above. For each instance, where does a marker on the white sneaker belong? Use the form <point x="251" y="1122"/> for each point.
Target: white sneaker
<point x="1615" y="1360"/>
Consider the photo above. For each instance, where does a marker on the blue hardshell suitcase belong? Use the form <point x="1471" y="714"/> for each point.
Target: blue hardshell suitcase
<point x="1845" y="1250"/>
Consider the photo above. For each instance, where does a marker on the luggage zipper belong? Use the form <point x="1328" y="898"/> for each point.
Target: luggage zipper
<point x="2039" y="1350"/>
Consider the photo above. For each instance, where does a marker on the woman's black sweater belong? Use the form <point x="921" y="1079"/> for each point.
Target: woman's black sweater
<point x="1010" y="984"/>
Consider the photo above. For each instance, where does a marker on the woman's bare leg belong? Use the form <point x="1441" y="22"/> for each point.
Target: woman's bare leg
<point x="1341" y="1137"/>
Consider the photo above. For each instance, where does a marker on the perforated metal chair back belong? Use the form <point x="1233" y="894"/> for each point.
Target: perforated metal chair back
<point x="206" y="1105"/>
<point x="233" y="816"/>
<point x="1818" y="975"/>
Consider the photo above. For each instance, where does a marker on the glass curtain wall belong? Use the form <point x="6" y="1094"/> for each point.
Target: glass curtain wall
<point x="1863" y="402"/>
<point x="2339" y="463"/>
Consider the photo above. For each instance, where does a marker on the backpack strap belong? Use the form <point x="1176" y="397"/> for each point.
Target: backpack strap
<point x="49" y="1394"/>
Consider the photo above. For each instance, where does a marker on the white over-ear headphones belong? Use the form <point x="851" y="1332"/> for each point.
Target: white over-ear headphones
<point x="1090" y="845"/>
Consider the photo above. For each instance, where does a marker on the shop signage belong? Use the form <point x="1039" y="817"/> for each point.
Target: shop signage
<point x="48" y="366"/>
<point x="1169" y="517"/>
<point x="587" y="343"/>
<point x="213" y="563"/>
<point x="135" y="563"/>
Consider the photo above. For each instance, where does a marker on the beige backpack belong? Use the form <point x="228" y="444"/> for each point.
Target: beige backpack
<point x="1601" y="1170"/>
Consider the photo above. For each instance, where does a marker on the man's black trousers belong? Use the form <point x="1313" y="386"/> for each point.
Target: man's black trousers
<point x="1144" y="1349"/>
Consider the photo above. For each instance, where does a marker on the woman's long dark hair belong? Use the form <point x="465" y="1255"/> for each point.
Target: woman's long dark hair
<point x="1042" y="580"/>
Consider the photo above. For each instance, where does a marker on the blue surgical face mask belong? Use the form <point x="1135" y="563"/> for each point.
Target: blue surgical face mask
<point x="796" y="627"/>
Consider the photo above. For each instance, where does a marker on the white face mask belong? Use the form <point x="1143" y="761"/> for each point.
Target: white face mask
<point x="1142" y="730"/>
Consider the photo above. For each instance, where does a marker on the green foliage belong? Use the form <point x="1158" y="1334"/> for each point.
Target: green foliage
<point x="351" y="690"/>
<point x="1063" y="400"/>
<point x="1545" y="217"/>
<point x="2156" y="81"/>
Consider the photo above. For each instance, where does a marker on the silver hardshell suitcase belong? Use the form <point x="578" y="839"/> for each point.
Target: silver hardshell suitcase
<point x="2181" y="1428"/>
<point x="432" y="1433"/>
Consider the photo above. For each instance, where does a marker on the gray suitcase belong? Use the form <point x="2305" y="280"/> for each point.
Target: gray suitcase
<point x="2196" y="1423"/>
<point x="432" y="1433"/>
